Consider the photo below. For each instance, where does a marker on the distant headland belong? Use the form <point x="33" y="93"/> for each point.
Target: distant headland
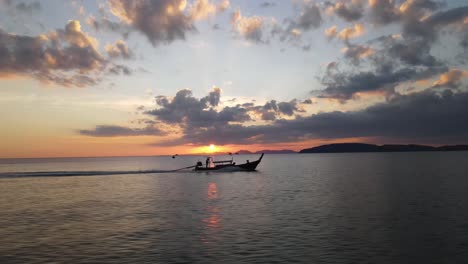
<point x="362" y="147"/>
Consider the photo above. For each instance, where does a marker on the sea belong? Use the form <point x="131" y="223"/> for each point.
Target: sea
<point x="296" y="208"/>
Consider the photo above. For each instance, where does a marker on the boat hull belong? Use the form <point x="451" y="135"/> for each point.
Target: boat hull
<point x="249" y="166"/>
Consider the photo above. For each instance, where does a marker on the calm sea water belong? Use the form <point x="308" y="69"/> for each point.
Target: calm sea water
<point x="303" y="208"/>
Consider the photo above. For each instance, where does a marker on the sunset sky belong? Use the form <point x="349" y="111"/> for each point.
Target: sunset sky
<point x="116" y="77"/>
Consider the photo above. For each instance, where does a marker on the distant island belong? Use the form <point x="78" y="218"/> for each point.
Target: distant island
<point x="362" y="147"/>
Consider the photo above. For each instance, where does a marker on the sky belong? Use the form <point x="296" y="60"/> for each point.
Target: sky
<point x="142" y="77"/>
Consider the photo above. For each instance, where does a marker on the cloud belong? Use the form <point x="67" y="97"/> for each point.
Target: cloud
<point x="433" y="115"/>
<point x="56" y="56"/>
<point x="451" y="78"/>
<point x="406" y="117"/>
<point x="309" y="18"/>
<point x="347" y="33"/>
<point x="350" y="11"/>
<point x="438" y="118"/>
<point x="421" y="30"/>
<point x="104" y="23"/>
<point x="418" y="8"/>
<point x="344" y="86"/>
<point x="383" y="12"/>
<point x="28" y="8"/>
<point x="331" y="32"/>
<point x="186" y="110"/>
<point x="414" y="52"/>
<point x="352" y="32"/>
<point x="272" y="109"/>
<point x="357" y="52"/>
<point x="213" y="97"/>
<point x="22" y="7"/>
<point x="160" y="21"/>
<point x="194" y="115"/>
<point x="267" y="4"/>
<point x="395" y="59"/>
<point x="262" y="30"/>
<point x="66" y="57"/>
<point x="202" y="9"/>
<point x="118" y="69"/>
<point x="118" y="50"/>
<point x="250" y="28"/>
<point x="121" y="131"/>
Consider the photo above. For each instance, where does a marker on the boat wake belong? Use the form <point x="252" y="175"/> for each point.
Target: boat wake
<point x="78" y="173"/>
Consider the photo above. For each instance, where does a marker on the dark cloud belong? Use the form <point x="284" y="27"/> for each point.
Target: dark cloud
<point x="356" y="52"/>
<point x="383" y="12"/>
<point x="447" y="17"/>
<point x="104" y="23"/>
<point x="28" y="8"/>
<point x="272" y="109"/>
<point x="22" y="7"/>
<point x="213" y="97"/>
<point x="120" y="131"/>
<point x="310" y="18"/>
<point x="427" y="114"/>
<point x="67" y="57"/>
<point x="187" y="110"/>
<point x="160" y="21"/>
<point x="422" y="29"/>
<point x="288" y="108"/>
<point x="66" y="80"/>
<point x="267" y="4"/>
<point x="118" y="69"/>
<point x="193" y="114"/>
<point x="344" y="86"/>
<point x="438" y="118"/>
<point x="414" y="52"/>
<point x="464" y="41"/>
<point x="60" y="56"/>
<point x="395" y="59"/>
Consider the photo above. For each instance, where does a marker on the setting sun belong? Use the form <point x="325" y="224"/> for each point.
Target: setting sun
<point x="212" y="148"/>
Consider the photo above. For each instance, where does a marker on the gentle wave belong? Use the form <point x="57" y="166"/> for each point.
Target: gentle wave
<point x="79" y="173"/>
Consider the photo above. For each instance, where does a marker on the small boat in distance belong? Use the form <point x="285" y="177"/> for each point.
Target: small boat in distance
<point x="227" y="165"/>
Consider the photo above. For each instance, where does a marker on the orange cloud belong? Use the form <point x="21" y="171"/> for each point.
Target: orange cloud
<point x="352" y="32"/>
<point x="118" y="49"/>
<point x="451" y="78"/>
<point x="331" y="32"/>
<point x="202" y="9"/>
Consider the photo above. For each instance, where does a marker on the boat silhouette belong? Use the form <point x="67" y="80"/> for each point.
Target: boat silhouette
<point x="227" y="165"/>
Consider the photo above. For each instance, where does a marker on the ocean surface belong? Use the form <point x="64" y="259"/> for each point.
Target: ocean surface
<point x="297" y="208"/>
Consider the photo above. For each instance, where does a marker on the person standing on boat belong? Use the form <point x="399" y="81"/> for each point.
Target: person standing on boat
<point x="207" y="161"/>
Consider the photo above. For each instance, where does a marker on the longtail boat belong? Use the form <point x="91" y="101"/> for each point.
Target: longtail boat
<point x="227" y="165"/>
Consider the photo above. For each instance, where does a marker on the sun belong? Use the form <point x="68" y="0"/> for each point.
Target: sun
<point x="211" y="148"/>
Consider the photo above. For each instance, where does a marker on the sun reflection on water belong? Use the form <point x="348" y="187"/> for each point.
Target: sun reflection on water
<point x="212" y="191"/>
<point x="214" y="218"/>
